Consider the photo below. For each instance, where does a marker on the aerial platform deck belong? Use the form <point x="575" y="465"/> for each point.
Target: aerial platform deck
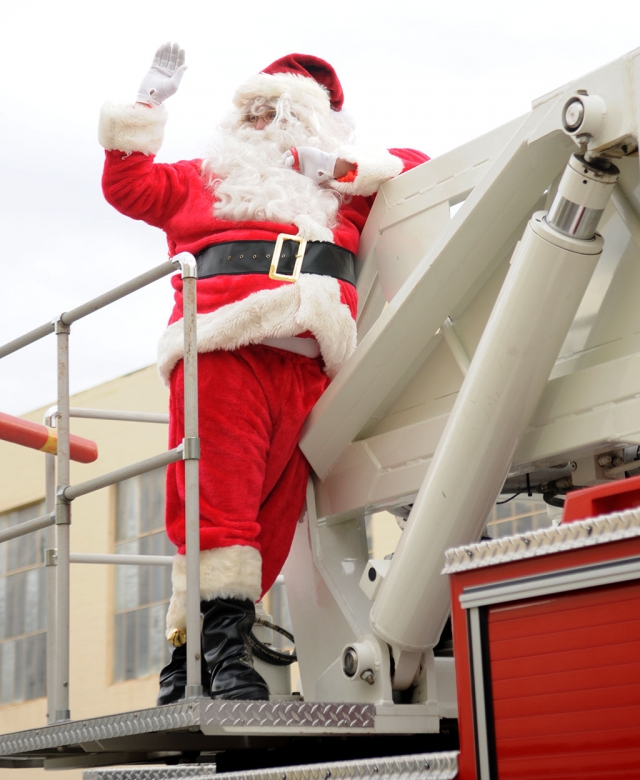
<point x="201" y="728"/>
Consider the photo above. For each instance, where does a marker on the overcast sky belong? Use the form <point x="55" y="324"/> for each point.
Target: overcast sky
<point x="413" y="75"/>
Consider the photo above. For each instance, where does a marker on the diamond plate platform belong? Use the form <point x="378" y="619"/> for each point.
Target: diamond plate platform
<point x="583" y="533"/>
<point x="199" y="726"/>
<point x="424" y="766"/>
<point x="297" y="715"/>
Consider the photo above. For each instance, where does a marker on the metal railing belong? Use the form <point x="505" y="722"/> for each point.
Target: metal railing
<point x="60" y="493"/>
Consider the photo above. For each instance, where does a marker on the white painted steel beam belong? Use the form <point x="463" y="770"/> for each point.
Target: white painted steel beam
<point x="442" y="282"/>
<point x="594" y="409"/>
<point x="385" y="360"/>
<point x="444" y="182"/>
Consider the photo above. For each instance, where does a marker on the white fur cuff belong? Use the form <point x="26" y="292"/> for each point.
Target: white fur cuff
<point x="132" y="128"/>
<point x="374" y="168"/>
<point x="227" y="572"/>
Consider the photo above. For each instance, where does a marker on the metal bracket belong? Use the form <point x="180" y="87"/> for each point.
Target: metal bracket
<point x="63" y="508"/>
<point x="60" y="326"/>
<point x="50" y="417"/>
<point x="51" y="556"/>
<point x="62" y="716"/>
<point x="187" y="265"/>
<point x="191" y="448"/>
<point x="193" y="692"/>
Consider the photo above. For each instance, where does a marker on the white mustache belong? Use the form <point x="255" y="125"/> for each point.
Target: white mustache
<point x="246" y="171"/>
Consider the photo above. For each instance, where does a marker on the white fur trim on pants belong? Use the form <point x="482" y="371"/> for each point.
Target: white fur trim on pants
<point x="226" y="573"/>
<point x="132" y="128"/>
<point x="311" y="304"/>
<point x="375" y="166"/>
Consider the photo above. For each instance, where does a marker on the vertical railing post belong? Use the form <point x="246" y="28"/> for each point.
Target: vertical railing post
<point x="63" y="521"/>
<point x="192" y="483"/>
<point x="50" y="582"/>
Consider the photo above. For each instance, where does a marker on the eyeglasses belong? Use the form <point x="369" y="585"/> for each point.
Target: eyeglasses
<point x="252" y="119"/>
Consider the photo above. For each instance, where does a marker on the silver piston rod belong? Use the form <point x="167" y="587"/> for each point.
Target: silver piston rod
<point x="581" y="198"/>
<point x="550" y="270"/>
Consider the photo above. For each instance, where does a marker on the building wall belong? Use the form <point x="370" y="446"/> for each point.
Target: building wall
<point x="91" y="692"/>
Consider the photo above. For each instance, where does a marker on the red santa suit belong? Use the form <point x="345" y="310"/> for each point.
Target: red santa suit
<point x="254" y="397"/>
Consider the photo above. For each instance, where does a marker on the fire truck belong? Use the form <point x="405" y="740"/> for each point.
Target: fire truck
<point x="499" y="353"/>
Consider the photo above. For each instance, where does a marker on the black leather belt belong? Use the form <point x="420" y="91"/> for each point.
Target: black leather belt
<point x="259" y="257"/>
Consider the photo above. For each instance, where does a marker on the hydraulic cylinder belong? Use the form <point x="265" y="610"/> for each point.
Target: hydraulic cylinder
<point x="550" y="270"/>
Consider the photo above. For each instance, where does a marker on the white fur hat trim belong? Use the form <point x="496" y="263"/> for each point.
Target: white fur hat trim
<point x="300" y="89"/>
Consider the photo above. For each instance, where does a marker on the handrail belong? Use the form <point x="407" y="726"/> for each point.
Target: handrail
<point x="122" y="560"/>
<point x="126" y="472"/>
<point x="69" y="317"/>
<point x="28" y="527"/>
<point x="137" y="283"/>
<point x="113" y="414"/>
<point x="85" y="412"/>
<point x="60" y="494"/>
<point x="28" y="338"/>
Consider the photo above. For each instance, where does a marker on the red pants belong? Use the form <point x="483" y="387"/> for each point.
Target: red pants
<point x="252" y="404"/>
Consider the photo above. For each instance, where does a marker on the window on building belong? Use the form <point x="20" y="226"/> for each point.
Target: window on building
<point x="141" y="592"/>
<point x="517" y="517"/>
<point x="22" y="610"/>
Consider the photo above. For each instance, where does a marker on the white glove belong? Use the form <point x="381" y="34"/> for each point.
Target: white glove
<point x="164" y="76"/>
<point x="311" y="162"/>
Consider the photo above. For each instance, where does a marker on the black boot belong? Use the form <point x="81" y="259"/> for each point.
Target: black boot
<point x="226" y="624"/>
<point x="173" y="678"/>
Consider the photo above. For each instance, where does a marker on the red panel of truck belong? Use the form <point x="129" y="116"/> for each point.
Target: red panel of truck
<point x="564" y="671"/>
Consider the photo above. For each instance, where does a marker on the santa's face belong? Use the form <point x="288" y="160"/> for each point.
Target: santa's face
<point x="264" y="122"/>
<point x="259" y="112"/>
<point x="246" y="169"/>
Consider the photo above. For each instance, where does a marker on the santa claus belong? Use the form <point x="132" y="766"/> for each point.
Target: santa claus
<point x="273" y="215"/>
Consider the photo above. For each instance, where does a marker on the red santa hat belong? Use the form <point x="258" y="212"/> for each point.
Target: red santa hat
<point x="302" y="77"/>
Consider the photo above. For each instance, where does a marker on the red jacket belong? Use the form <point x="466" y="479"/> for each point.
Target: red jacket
<point x="243" y="309"/>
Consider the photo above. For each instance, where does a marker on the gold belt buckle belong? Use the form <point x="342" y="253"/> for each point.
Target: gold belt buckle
<point x="273" y="270"/>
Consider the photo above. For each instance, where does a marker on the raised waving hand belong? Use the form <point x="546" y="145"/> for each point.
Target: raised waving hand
<point x="164" y="77"/>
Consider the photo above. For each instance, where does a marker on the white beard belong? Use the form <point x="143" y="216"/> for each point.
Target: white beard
<point x="246" y="171"/>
